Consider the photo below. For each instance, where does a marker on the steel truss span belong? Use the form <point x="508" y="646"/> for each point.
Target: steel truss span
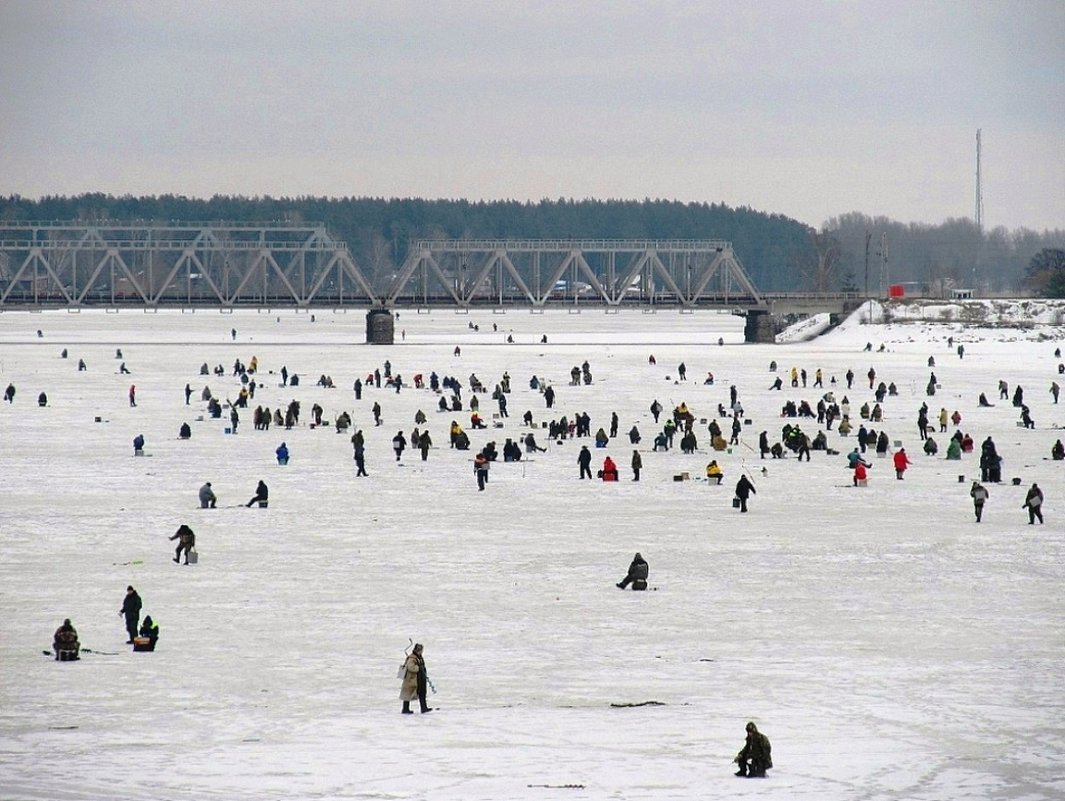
<point x="278" y="265"/>
<point x="606" y="272"/>
<point x="211" y="264"/>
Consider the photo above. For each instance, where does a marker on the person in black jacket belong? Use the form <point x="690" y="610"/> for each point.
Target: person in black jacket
<point x="637" y="572"/>
<point x="186" y="542"/>
<point x="150" y="629"/>
<point x="131" y="609"/>
<point x="262" y="495"/>
<point x="744" y="488"/>
<point x="584" y="461"/>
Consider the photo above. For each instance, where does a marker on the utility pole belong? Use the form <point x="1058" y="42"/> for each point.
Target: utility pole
<point x="884" y="277"/>
<point x="979" y="190"/>
<point x="868" y="237"/>
<point x="979" y="207"/>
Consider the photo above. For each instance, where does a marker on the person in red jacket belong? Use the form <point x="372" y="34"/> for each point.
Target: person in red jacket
<point x="860" y="474"/>
<point x="610" y="470"/>
<point x="901" y="463"/>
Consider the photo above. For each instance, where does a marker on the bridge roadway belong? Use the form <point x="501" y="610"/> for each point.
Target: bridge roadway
<point x="774" y="303"/>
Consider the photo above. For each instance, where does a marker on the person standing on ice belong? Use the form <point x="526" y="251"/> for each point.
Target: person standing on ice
<point x="481" y="466"/>
<point x="755" y="758"/>
<point x="744" y="489"/>
<point x="902" y="461"/>
<point x="584" y="461"/>
<point x="186" y="542"/>
<point x="415" y="679"/>
<point x="1033" y="502"/>
<point x="131" y="610"/>
<point x="132" y="394"/>
<point x="979" y="495"/>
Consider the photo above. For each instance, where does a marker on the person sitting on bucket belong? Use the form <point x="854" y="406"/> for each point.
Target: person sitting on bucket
<point x="150" y="631"/>
<point x="637" y="573"/>
<point x="262" y="495"/>
<point x="66" y="640"/>
<point x="755" y="758"/>
<point x="714" y="472"/>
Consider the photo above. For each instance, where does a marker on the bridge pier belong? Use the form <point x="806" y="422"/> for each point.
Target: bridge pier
<point x="760" y="327"/>
<point x="380" y="327"/>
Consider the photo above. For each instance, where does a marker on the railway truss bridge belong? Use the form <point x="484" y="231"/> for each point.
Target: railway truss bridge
<point x="277" y="265"/>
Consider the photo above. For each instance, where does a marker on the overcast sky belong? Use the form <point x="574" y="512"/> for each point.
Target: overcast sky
<point x="809" y="109"/>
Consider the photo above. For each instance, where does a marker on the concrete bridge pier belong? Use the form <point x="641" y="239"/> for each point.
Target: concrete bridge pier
<point x="760" y="327"/>
<point x="380" y="327"/>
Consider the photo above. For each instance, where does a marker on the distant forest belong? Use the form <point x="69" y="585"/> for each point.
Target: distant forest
<point x="780" y="254"/>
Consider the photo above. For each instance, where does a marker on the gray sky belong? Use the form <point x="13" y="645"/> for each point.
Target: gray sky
<point x="809" y="109"/>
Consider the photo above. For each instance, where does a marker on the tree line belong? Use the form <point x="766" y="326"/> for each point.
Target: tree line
<point x="779" y="253"/>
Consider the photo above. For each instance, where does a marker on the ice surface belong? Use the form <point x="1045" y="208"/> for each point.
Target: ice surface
<point x="889" y="646"/>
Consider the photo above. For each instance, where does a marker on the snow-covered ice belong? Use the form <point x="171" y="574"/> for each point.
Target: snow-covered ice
<point x="889" y="646"/>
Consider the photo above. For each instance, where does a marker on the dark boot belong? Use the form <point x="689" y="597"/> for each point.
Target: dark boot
<point x="406" y="708"/>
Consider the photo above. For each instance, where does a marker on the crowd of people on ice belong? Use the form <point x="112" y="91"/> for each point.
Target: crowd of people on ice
<point x="679" y="427"/>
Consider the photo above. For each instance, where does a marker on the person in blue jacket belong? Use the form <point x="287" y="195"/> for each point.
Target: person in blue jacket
<point x="282" y="453"/>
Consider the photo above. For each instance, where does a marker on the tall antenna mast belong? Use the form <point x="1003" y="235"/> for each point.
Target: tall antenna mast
<point x="979" y="189"/>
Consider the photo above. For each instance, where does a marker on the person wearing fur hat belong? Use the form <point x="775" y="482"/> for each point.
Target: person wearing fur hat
<point x="755" y="758"/>
<point x="415" y="679"/>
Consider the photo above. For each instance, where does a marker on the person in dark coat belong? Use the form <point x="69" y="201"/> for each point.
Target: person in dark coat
<point x="399" y="444"/>
<point x="637" y="572"/>
<point x="131" y="610"/>
<point x="979" y="495"/>
<point x="637" y="465"/>
<point x="138" y="444"/>
<point x="9" y="393"/>
<point x="744" y="488"/>
<point x="65" y="640"/>
<point x="481" y="466"/>
<point x="261" y="497"/>
<point x="415" y="681"/>
<point x="1033" y="502"/>
<point x="425" y="442"/>
<point x="755" y="758"/>
<point x="186" y="542"/>
<point x="584" y="461"/>
<point x="185" y="432"/>
<point x="150" y="630"/>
